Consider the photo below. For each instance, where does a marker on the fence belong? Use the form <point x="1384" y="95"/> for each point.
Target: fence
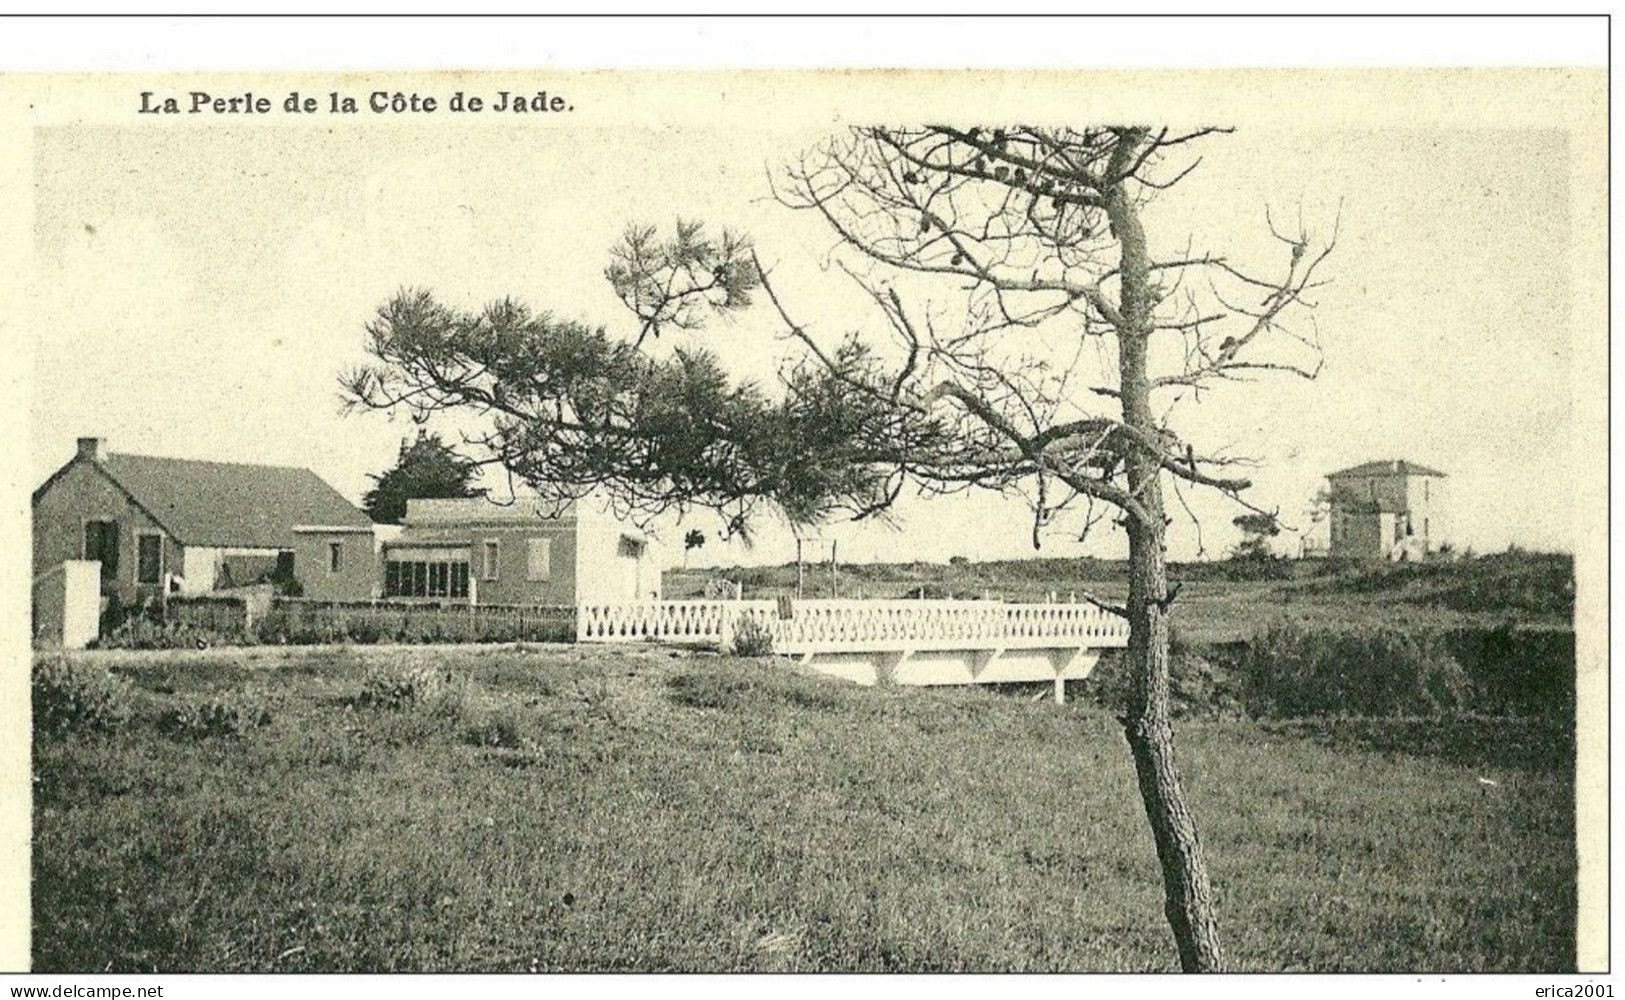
<point x="214" y="614"/>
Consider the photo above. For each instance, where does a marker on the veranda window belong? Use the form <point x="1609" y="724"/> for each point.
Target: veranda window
<point x="425" y="578"/>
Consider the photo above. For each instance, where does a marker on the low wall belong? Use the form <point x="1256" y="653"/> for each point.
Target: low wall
<point x="66" y="604"/>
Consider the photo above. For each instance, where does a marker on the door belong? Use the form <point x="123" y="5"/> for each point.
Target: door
<point x="101" y="543"/>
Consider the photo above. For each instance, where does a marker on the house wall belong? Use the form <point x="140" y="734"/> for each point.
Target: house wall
<point x="1389" y="490"/>
<point x="512" y="585"/>
<point x="199" y="568"/>
<point x="83" y="493"/>
<point x="1360" y="534"/>
<point x="202" y="567"/>
<point x="607" y="572"/>
<point x="360" y="573"/>
<point x="1426" y="495"/>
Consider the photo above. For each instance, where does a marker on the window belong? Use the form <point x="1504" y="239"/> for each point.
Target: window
<point x="492" y="550"/>
<point x="101" y="542"/>
<point x="149" y="557"/>
<point x="539" y="559"/>
<point x="335" y="556"/>
<point x="425" y="578"/>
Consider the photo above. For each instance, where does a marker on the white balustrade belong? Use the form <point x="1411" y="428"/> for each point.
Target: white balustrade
<point x="698" y="622"/>
<point x="860" y="625"/>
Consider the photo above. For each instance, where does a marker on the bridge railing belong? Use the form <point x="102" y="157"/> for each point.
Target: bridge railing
<point x="698" y="622"/>
<point x="811" y="626"/>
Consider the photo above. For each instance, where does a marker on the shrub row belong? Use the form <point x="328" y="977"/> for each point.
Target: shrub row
<point x="298" y="624"/>
<point x="141" y="632"/>
<point x="1518" y="671"/>
<point x="1291" y="671"/>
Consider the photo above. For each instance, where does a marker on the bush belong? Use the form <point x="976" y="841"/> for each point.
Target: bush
<point x="232" y="715"/>
<point x="1197" y="687"/>
<point x="708" y="690"/>
<point x="141" y="632"/>
<point x="395" y="688"/>
<point x="1518" y="671"/>
<point x="751" y="637"/>
<point x="74" y="694"/>
<point x="1290" y="671"/>
<point x="494" y="728"/>
<point x="367" y="631"/>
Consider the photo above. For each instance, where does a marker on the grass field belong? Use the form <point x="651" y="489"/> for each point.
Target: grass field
<point x="637" y="809"/>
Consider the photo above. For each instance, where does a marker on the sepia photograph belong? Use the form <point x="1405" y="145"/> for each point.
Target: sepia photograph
<point x="982" y="522"/>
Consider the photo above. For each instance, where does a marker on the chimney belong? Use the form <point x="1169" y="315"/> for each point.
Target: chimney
<point x="91" y="448"/>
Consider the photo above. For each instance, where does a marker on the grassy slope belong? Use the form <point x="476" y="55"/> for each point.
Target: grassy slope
<point x="691" y="812"/>
<point x="1220" y="601"/>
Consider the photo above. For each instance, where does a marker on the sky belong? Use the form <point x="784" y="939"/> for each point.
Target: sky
<point x="198" y="290"/>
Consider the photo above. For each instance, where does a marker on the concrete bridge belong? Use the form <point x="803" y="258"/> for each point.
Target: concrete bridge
<point x="885" y="642"/>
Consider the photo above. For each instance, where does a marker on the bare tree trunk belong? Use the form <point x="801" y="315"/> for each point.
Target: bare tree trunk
<point x="1187" y="895"/>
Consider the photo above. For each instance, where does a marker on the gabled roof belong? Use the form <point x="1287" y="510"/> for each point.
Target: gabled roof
<point x="230" y="504"/>
<point x="226" y="504"/>
<point x="1386" y="467"/>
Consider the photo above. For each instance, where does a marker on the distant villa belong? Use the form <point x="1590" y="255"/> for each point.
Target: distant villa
<point x="1388" y="509"/>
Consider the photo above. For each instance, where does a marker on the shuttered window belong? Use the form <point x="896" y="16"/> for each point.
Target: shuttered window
<point x="539" y="562"/>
